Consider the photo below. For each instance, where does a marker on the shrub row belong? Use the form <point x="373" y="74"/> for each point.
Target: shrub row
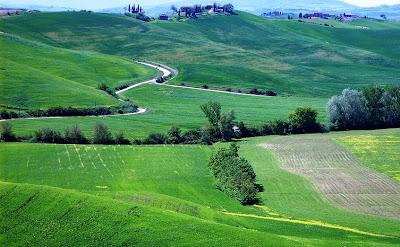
<point x="261" y="92"/>
<point x="104" y="87"/>
<point x="126" y="107"/>
<point x="234" y="175"/>
<point x="73" y="135"/>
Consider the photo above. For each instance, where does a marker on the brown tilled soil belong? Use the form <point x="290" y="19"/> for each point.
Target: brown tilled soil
<point x="337" y="174"/>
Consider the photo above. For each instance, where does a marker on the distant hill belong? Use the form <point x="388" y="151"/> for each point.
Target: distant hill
<point x="391" y="12"/>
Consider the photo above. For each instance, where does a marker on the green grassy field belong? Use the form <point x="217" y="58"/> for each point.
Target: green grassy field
<point x="35" y="75"/>
<point x="60" y="195"/>
<point x="379" y="152"/>
<point x="169" y="106"/>
<point x="285" y="56"/>
<point x="46" y="216"/>
<point x="152" y="176"/>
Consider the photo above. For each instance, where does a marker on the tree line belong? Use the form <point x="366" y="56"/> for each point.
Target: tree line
<point x="373" y="107"/>
<point x="125" y="107"/>
<point x="370" y="108"/>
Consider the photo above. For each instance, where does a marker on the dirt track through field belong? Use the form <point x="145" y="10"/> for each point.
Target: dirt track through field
<point x="338" y="174"/>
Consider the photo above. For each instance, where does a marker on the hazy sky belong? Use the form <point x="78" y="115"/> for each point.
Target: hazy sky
<point x="368" y="3"/>
<point x="88" y="4"/>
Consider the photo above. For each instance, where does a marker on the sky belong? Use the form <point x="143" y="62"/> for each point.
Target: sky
<point x="88" y="4"/>
<point x="371" y="3"/>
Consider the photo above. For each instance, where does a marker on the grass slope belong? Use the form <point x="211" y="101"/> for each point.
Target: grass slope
<point x="44" y="216"/>
<point x="379" y="152"/>
<point x="34" y="75"/>
<point x="153" y="176"/>
<point x="169" y="106"/>
<point x="242" y="51"/>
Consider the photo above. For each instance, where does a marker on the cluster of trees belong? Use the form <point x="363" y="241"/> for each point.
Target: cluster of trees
<point x="220" y="128"/>
<point x="261" y="92"/>
<point x="302" y="120"/>
<point x="125" y="107"/>
<point x="370" y="108"/>
<point x="234" y="175"/>
<point x="71" y="135"/>
<point x="74" y="135"/>
<point x="198" y="9"/>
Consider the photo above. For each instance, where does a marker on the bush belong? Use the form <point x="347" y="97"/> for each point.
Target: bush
<point x="234" y="175"/>
<point x="276" y="127"/>
<point x="102" y="135"/>
<point x="304" y="120"/>
<point x="205" y="86"/>
<point x="74" y="135"/>
<point x="46" y="135"/>
<point x="143" y="17"/>
<point x="156" y="138"/>
<point x="5" y="114"/>
<point x="126" y="107"/>
<point x="175" y="135"/>
<point x="120" y="138"/>
<point x="7" y="134"/>
<point x="107" y="89"/>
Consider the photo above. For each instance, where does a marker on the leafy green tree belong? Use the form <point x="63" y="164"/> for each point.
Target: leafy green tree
<point x="226" y="126"/>
<point x="304" y="120"/>
<point x="220" y="124"/>
<point x="156" y="138"/>
<point x="348" y="111"/>
<point x="46" y="135"/>
<point x="234" y="175"/>
<point x="175" y="135"/>
<point x="7" y="133"/>
<point x="75" y="135"/>
<point x="375" y="105"/>
<point x="102" y="135"/>
<point x="120" y="138"/>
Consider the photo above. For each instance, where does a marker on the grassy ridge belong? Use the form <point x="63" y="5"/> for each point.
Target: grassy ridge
<point x="280" y="55"/>
<point x="39" y="76"/>
<point x="44" y="216"/>
<point x="169" y="106"/>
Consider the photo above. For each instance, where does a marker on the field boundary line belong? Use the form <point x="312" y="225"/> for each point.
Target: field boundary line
<point x="310" y="222"/>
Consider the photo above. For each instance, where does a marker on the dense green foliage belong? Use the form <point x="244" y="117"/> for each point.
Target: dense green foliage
<point x="304" y="120"/>
<point x="7" y="133"/>
<point x="122" y="108"/>
<point x="234" y="175"/>
<point x="102" y="135"/>
<point x="220" y="124"/>
<point x="370" y="108"/>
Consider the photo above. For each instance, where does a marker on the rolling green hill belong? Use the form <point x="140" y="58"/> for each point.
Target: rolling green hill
<point x="152" y="176"/>
<point x="35" y="75"/>
<point x="242" y="51"/>
<point x="44" y="216"/>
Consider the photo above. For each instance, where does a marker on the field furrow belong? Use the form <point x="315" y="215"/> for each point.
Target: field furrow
<point x="337" y="174"/>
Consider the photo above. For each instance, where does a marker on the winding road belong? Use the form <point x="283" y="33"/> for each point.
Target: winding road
<point x="166" y="72"/>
